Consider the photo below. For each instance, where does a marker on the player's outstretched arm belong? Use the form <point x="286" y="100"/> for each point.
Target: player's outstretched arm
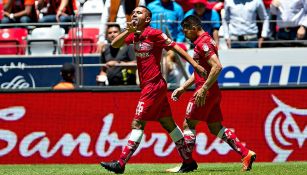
<point x="120" y="39"/>
<point x="199" y="69"/>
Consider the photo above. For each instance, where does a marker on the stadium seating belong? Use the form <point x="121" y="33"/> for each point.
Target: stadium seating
<point x="91" y="13"/>
<point x="12" y="41"/>
<point x="86" y="39"/>
<point x="45" y="40"/>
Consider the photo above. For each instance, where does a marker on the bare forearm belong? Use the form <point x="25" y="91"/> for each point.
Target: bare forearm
<point x="120" y="39"/>
<point x="188" y="83"/>
<point x="184" y="55"/>
<point x="213" y="75"/>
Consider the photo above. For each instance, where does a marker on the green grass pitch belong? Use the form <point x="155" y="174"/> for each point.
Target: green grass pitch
<point x="289" y="168"/>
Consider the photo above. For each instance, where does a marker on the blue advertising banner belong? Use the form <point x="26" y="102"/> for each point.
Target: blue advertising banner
<point x="14" y="73"/>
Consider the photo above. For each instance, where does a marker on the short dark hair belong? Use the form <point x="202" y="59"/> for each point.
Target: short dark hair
<point x="149" y="12"/>
<point x="68" y="71"/>
<point x="190" y="21"/>
<point x="113" y="25"/>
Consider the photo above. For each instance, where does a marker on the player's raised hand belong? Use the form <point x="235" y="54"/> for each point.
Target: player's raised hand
<point x="177" y="93"/>
<point x="132" y="26"/>
<point x="200" y="97"/>
<point x="200" y="70"/>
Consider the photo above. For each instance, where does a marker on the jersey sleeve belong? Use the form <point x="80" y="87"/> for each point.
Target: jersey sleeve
<point x="162" y="40"/>
<point x="208" y="49"/>
<point x="129" y="39"/>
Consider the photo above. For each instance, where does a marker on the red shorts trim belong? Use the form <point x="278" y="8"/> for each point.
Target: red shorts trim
<point x="153" y="103"/>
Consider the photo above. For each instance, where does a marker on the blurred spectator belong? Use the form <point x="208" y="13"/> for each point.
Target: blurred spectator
<point x="61" y="11"/>
<point x="291" y="19"/>
<point x="19" y="11"/>
<point x="185" y="4"/>
<point x="113" y="73"/>
<point x="240" y="24"/>
<point x="267" y="3"/>
<point x="68" y="77"/>
<point x="119" y="12"/>
<point x="209" y="17"/>
<point x="172" y="14"/>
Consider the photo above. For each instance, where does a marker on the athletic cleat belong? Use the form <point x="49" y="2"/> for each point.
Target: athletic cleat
<point x="173" y="170"/>
<point x="248" y="160"/>
<point x="113" y="167"/>
<point x="187" y="167"/>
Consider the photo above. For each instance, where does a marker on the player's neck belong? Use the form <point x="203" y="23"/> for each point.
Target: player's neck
<point x="200" y="32"/>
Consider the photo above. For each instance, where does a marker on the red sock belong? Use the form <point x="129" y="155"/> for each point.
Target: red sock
<point x="190" y="138"/>
<point x="184" y="151"/>
<point x="181" y="146"/>
<point x="127" y="152"/>
<point x="233" y="141"/>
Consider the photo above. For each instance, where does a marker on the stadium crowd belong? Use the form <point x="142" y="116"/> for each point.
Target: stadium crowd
<point x="231" y="23"/>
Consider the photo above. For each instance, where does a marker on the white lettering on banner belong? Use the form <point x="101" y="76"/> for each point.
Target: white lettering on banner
<point x="67" y="143"/>
<point x="12" y="65"/>
<point x="10" y="138"/>
<point x="107" y="142"/>
<point x="16" y="81"/>
<point x="279" y="126"/>
<point x="12" y="113"/>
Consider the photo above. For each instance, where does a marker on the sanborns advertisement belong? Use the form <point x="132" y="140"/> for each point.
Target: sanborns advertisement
<point x="89" y="127"/>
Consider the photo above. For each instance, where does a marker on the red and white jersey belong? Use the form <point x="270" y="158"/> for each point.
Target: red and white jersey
<point x="148" y="51"/>
<point x="205" y="47"/>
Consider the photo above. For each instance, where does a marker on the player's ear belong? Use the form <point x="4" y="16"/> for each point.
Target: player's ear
<point x="194" y="28"/>
<point x="148" y="19"/>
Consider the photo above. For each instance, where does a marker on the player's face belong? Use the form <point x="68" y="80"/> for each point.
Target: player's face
<point x="190" y="32"/>
<point x="112" y="33"/>
<point x="140" y="16"/>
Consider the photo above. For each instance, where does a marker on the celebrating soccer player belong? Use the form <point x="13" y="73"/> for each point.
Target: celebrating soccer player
<point x="204" y="105"/>
<point x="153" y="104"/>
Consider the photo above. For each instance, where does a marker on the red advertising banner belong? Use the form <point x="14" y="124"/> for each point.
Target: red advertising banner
<point x="89" y="127"/>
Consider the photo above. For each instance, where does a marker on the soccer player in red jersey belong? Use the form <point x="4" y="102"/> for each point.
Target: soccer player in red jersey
<point x="153" y="104"/>
<point x="204" y="105"/>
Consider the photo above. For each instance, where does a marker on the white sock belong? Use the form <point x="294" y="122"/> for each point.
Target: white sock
<point x="176" y="134"/>
<point x="221" y="132"/>
<point x="136" y="135"/>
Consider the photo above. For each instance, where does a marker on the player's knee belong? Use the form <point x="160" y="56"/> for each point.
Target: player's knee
<point x="136" y="124"/>
<point x="187" y="124"/>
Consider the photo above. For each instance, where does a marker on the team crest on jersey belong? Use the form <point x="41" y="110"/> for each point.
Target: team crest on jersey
<point x="143" y="46"/>
<point x="205" y="47"/>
